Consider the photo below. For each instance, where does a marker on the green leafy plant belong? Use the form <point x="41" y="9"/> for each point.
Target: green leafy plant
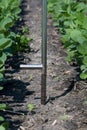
<point x="70" y="16"/>
<point x="20" y="42"/>
<point x="3" y="124"/>
<point x="3" y="106"/>
<point x="9" y="13"/>
<point x="10" y="42"/>
<point x="64" y="117"/>
<point x="31" y="107"/>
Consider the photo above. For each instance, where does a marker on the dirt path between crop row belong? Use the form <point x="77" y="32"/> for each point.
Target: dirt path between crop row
<point x="66" y="108"/>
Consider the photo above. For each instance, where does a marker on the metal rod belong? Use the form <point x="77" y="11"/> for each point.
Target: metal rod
<point x="33" y="66"/>
<point x="44" y="52"/>
<point x="43" y="66"/>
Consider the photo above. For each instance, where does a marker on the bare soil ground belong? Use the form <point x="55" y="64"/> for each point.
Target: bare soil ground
<point x="66" y="107"/>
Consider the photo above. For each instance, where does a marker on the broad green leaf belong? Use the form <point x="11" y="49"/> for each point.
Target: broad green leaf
<point x="5" y="43"/>
<point x="1" y="118"/>
<point x="4" y="4"/>
<point x="82" y="48"/>
<point x="80" y="6"/>
<point x="85" y="23"/>
<point x="65" y="39"/>
<point x="2" y="127"/>
<point x="80" y="17"/>
<point x="83" y="67"/>
<point x="70" y="56"/>
<point x="5" y="23"/>
<point x="16" y="11"/>
<point x="69" y="23"/>
<point x="85" y="60"/>
<point x="84" y="32"/>
<point x="1" y="87"/>
<point x="3" y="58"/>
<point x="77" y="36"/>
<point x="83" y="75"/>
<point x="5" y="125"/>
<point x="69" y="9"/>
<point x="56" y="24"/>
<point x="2" y="69"/>
<point x="3" y="106"/>
<point x="1" y="35"/>
<point x="1" y="76"/>
<point x="1" y="63"/>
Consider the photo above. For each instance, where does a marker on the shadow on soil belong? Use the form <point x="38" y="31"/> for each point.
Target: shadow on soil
<point x="14" y="63"/>
<point x="13" y="95"/>
<point x="16" y="89"/>
<point x="69" y="89"/>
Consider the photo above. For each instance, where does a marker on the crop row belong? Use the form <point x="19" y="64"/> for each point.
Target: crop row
<point x="9" y="13"/>
<point x="70" y="16"/>
<point x="10" y="42"/>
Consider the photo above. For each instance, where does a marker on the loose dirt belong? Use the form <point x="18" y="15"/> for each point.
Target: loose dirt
<point x="66" y="107"/>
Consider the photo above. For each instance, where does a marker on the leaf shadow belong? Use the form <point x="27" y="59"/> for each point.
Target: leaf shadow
<point x="14" y="95"/>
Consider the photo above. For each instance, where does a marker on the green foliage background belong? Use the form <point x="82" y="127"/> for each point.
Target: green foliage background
<point x="9" y="13"/>
<point x="70" y="16"/>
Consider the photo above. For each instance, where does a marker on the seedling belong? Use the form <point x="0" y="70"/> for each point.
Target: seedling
<point x="25" y="29"/>
<point x="85" y="102"/>
<point x="64" y="117"/>
<point x="56" y="78"/>
<point x="31" y="107"/>
<point x="30" y="77"/>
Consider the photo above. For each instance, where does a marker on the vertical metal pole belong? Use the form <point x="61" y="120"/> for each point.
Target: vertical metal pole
<point x="44" y="52"/>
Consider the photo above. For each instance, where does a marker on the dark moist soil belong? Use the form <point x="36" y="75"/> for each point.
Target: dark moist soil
<point x="66" y="107"/>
